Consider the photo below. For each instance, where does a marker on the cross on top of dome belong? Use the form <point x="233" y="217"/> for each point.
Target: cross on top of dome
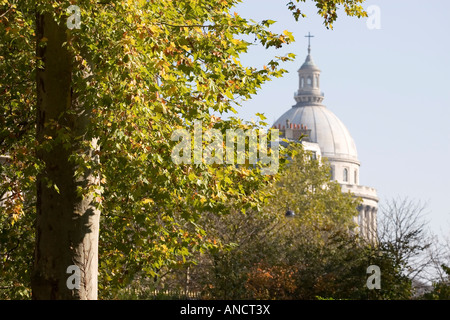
<point x="309" y="36"/>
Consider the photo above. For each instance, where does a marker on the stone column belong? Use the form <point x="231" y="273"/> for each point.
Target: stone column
<point x="369" y="224"/>
<point x="361" y="222"/>
<point x="374" y="225"/>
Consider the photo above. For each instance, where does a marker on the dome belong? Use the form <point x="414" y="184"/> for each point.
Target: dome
<point x="327" y="130"/>
<point x="328" y="137"/>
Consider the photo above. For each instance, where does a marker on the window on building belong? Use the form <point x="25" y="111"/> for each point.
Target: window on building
<point x="332" y="172"/>
<point x="356" y="177"/>
<point x="302" y="82"/>
<point x="345" y="175"/>
<point x="309" y="82"/>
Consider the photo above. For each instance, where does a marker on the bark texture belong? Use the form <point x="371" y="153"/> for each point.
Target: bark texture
<point x="67" y="225"/>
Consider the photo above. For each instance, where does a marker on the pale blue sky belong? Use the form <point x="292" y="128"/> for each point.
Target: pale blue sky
<point x="390" y="87"/>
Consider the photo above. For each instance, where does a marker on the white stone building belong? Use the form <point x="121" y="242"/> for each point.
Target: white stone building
<point x="328" y="137"/>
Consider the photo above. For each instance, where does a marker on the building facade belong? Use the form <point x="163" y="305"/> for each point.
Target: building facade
<point x="327" y="137"/>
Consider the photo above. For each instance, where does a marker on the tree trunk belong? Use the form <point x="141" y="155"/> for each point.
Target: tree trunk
<point x="67" y="225"/>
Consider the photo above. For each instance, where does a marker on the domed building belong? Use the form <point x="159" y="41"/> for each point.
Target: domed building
<point x="328" y="137"/>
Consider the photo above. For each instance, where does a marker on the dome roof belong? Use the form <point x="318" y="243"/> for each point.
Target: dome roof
<point x="327" y="130"/>
<point x="309" y="64"/>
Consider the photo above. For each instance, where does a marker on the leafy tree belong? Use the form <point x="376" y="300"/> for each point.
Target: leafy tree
<point x="270" y="256"/>
<point x="403" y="250"/>
<point x="313" y="255"/>
<point x="86" y="121"/>
<point x="395" y="285"/>
<point x="305" y="188"/>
